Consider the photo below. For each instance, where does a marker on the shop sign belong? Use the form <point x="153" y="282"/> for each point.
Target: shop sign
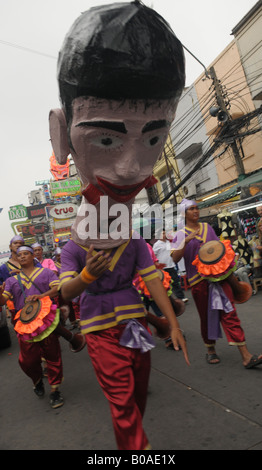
<point x="36" y="211"/>
<point x="63" y="211"/>
<point x="30" y="230"/>
<point x="41" y="182"/>
<point x="61" y="223"/>
<point x="17" y="212"/>
<point x="66" y="187"/>
<point x="62" y="231"/>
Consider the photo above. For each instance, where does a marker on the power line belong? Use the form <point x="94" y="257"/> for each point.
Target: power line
<point x="218" y="141"/>
<point x="27" y="49"/>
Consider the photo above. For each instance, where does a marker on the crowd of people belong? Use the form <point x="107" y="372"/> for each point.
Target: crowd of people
<point x="165" y="256"/>
<point x="29" y="275"/>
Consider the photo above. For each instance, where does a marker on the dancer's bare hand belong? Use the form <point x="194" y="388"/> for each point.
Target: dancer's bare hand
<point x="98" y="263"/>
<point x="192" y="235"/>
<point x="179" y="340"/>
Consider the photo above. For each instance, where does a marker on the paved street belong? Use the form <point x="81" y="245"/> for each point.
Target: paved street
<point x="201" y="407"/>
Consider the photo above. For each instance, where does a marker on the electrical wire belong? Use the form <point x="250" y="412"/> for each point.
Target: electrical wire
<point x="26" y="49"/>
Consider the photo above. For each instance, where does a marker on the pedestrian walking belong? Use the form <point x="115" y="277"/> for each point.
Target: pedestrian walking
<point x="162" y="249"/>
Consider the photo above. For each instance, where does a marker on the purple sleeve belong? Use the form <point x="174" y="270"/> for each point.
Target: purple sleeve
<point x="8" y="292"/>
<point x="71" y="264"/>
<point x="53" y="278"/>
<point x="178" y="240"/>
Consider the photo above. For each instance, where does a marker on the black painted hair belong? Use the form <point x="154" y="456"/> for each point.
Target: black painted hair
<point x="120" y="51"/>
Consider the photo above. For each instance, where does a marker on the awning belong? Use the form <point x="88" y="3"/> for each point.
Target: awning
<point x="219" y="198"/>
<point x="252" y="179"/>
<point x="231" y="192"/>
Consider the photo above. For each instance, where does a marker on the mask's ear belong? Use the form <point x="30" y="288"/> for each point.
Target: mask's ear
<point x="58" y="134"/>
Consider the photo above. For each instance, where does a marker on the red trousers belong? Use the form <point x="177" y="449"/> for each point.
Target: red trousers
<point x="123" y="375"/>
<point x="229" y="321"/>
<point x="30" y="359"/>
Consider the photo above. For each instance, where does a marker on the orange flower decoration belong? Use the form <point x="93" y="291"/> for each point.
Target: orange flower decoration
<point x="38" y="322"/>
<point x="219" y="268"/>
<point x="141" y="287"/>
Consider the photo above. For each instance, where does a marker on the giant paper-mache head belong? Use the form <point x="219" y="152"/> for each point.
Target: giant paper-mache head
<point x="121" y="72"/>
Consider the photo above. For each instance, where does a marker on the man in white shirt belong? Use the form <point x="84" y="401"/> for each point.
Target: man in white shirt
<point x="162" y="249"/>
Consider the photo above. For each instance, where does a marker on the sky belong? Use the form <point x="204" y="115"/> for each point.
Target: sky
<point x="31" y="35"/>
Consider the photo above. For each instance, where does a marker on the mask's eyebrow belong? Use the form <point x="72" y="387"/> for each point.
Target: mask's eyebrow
<point x="112" y="125"/>
<point x="153" y="125"/>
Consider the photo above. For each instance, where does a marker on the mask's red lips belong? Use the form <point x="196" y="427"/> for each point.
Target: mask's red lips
<point x="126" y="192"/>
<point x="118" y="193"/>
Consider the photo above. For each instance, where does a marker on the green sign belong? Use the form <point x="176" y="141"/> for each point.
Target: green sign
<point x="17" y="212"/>
<point x="67" y="187"/>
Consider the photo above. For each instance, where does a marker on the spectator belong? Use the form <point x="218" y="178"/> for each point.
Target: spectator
<point x="162" y="249"/>
<point x="45" y="262"/>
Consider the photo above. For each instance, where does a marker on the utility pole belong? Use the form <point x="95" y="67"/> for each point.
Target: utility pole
<point x="222" y="107"/>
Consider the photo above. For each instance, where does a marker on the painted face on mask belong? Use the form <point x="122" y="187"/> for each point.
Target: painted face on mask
<point x="115" y="145"/>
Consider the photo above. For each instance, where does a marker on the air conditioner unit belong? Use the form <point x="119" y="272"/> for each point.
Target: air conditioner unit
<point x="189" y="190"/>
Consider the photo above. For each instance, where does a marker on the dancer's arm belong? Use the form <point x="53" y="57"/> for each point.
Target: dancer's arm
<point x="95" y="267"/>
<point x="160" y="296"/>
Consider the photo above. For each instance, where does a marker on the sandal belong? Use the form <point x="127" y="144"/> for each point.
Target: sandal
<point x="254" y="361"/>
<point x="211" y="357"/>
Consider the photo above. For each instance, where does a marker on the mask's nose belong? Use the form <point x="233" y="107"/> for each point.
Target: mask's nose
<point x="128" y="166"/>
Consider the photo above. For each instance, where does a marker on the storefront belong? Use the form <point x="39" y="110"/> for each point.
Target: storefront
<point x="240" y="200"/>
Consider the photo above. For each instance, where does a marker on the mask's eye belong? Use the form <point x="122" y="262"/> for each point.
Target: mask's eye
<point x="107" y="142"/>
<point x="154" y="140"/>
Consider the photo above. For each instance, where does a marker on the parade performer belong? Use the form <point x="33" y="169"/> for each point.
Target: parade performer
<point x="120" y="73"/>
<point x="12" y="266"/>
<point x="8" y="269"/>
<point x="31" y="284"/>
<point x="187" y="243"/>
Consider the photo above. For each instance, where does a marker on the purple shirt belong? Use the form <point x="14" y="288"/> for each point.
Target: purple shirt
<point x="111" y="298"/>
<point x="206" y="234"/>
<point x="43" y="278"/>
